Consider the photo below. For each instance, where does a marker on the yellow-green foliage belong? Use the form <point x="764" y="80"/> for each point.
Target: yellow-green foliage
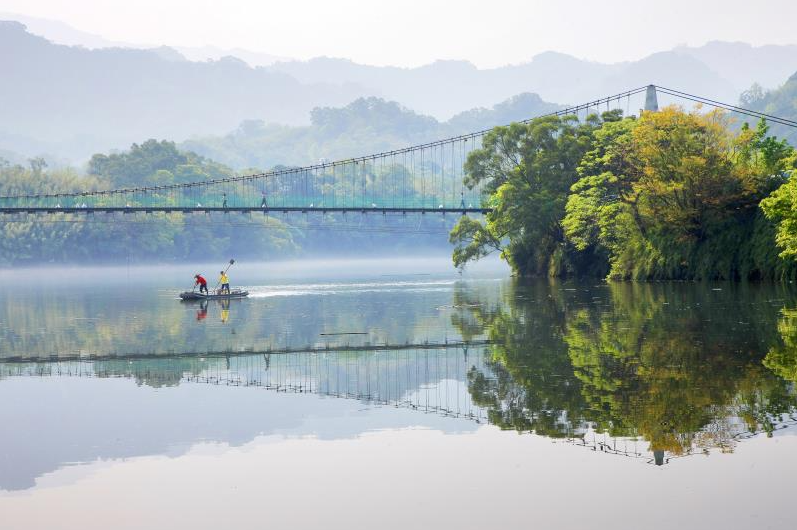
<point x="668" y="195"/>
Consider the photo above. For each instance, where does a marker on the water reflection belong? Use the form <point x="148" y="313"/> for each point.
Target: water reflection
<point x="687" y="368"/>
<point x="36" y="323"/>
<point x="189" y="399"/>
<point x="654" y="371"/>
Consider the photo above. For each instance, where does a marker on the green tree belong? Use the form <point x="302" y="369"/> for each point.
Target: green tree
<point x="527" y="171"/>
<point x="154" y="163"/>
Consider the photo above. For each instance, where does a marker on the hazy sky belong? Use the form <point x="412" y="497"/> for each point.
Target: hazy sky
<point x="413" y="32"/>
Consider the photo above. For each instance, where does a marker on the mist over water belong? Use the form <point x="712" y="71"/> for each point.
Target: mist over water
<point x="253" y="272"/>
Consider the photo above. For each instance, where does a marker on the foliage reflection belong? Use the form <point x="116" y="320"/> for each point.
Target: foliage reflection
<point x="685" y="367"/>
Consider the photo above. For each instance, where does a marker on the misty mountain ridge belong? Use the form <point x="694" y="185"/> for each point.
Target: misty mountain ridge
<point x="558" y="77"/>
<point x="736" y="62"/>
<point x="59" y="32"/>
<point x="73" y="101"/>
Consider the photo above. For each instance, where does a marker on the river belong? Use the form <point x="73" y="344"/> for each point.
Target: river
<point x="393" y="394"/>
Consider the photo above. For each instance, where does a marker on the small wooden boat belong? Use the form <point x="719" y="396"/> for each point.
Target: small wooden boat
<point x="194" y="295"/>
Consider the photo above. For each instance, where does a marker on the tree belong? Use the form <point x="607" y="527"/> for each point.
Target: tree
<point x="752" y="95"/>
<point x="154" y="163"/>
<point x="527" y="171"/>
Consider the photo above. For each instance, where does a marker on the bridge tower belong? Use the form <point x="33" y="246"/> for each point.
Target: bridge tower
<point x="651" y="101"/>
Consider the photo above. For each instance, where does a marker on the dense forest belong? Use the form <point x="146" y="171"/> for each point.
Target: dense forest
<point x="674" y="194"/>
<point x="668" y="195"/>
<point x="364" y="126"/>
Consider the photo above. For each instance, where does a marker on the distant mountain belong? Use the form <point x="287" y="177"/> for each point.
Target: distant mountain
<point x="444" y="88"/>
<point x="553" y="75"/>
<point x="717" y="70"/>
<point x="58" y="32"/>
<point x="367" y="125"/>
<point x="71" y="101"/>
<point x="743" y="64"/>
<point x="61" y="33"/>
<point x="214" y="53"/>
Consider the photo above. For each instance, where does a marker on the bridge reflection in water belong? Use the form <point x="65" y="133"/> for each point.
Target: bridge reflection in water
<point x="430" y="378"/>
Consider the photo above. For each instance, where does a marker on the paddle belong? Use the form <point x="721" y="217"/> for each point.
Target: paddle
<point x="232" y="262"/>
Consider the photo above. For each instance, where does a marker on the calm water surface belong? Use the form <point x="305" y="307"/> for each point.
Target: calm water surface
<point x="373" y="397"/>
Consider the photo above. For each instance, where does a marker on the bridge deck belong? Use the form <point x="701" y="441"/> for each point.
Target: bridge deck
<point x="236" y="209"/>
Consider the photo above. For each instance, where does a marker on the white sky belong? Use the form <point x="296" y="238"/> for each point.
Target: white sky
<point x="412" y="32"/>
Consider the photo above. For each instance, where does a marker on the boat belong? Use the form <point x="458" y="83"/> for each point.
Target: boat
<point x="194" y="295"/>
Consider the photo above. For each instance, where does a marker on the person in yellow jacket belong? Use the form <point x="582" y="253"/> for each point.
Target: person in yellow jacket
<point x="225" y="283"/>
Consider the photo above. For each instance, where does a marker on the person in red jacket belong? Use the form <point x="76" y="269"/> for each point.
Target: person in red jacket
<point x="201" y="282"/>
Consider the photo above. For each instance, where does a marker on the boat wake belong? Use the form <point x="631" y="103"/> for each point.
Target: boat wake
<point x="325" y="289"/>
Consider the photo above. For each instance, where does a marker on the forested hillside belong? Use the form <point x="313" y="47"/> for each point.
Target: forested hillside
<point x="781" y="102"/>
<point x="367" y="125"/>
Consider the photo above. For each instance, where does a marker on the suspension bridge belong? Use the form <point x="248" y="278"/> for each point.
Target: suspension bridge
<point x="420" y="179"/>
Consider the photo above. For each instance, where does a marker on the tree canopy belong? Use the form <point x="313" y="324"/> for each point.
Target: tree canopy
<point x="669" y="195"/>
<point x="527" y="170"/>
